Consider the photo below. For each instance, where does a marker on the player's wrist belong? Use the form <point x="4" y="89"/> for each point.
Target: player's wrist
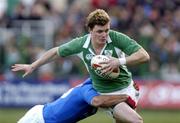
<point x="122" y="61"/>
<point x="32" y="67"/>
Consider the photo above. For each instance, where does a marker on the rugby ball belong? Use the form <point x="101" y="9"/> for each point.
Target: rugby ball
<point x="96" y="66"/>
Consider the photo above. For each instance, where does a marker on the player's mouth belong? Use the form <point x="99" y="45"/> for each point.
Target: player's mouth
<point x="103" y="40"/>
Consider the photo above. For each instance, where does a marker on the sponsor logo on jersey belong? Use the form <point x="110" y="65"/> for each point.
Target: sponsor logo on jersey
<point x="89" y="56"/>
<point x="108" y="52"/>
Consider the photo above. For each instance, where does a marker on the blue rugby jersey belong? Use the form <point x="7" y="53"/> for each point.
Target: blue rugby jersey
<point x="72" y="106"/>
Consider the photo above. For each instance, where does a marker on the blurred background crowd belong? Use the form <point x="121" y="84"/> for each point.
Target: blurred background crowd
<point x="30" y="27"/>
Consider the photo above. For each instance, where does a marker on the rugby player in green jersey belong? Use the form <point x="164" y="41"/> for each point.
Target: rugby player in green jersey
<point x="121" y="50"/>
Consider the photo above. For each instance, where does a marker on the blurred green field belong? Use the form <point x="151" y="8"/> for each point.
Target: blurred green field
<point x="11" y="115"/>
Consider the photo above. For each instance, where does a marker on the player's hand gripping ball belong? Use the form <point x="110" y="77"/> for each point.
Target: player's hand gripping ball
<point x="95" y="64"/>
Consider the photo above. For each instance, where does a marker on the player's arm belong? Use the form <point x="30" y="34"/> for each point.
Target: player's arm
<point x="108" y="100"/>
<point x="29" y="68"/>
<point x="92" y="97"/>
<point x="48" y="56"/>
<point x="136" y="54"/>
<point x="137" y="57"/>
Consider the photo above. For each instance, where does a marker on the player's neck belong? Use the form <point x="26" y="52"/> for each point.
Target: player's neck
<point x="97" y="47"/>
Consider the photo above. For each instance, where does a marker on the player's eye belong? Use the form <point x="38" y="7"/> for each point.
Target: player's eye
<point x="107" y="30"/>
<point x="99" y="31"/>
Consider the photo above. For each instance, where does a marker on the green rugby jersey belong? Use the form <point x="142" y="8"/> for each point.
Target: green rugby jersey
<point x="117" y="46"/>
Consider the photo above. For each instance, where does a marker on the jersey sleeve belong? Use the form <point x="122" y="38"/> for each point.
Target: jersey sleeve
<point x="123" y="42"/>
<point x="88" y="93"/>
<point x="70" y="48"/>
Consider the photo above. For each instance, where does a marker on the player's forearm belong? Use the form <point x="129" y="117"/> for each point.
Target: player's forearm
<point x="47" y="57"/>
<point x="108" y="100"/>
<point x="138" y="57"/>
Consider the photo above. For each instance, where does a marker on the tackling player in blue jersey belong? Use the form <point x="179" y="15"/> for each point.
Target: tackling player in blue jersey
<point x="73" y="106"/>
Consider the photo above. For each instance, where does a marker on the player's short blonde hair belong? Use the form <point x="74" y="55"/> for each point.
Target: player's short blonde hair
<point x="97" y="17"/>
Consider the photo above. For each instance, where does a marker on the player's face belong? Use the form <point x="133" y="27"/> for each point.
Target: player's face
<point x="99" y="34"/>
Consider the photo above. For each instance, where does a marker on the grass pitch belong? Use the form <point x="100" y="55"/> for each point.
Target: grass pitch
<point x="11" y="115"/>
<point x="149" y="116"/>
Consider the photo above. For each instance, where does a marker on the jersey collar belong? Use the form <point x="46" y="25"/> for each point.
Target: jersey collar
<point x="87" y="42"/>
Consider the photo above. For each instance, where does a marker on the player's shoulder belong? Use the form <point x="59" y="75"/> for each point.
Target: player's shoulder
<point x="87" y="81"/>
<point x="81" y="39"/>
<point x="77" y="43"/>
<point x="116" y="36"/>
<point x="116" y="33"/>
<point x="87" y="84"/>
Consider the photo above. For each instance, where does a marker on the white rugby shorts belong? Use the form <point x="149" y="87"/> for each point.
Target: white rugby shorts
<point x="34" y="115"/>
<point x="130" y="91"/>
